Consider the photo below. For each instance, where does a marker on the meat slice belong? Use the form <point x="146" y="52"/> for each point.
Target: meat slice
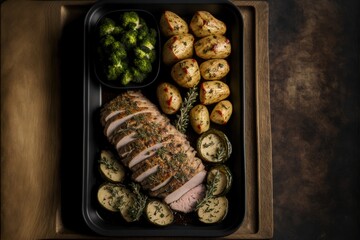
<point x="118" y="119"/>
<point x="179" y="192"/>
<point x="160" y="177"/>
<point x="187" y="202"/>
<point x="142" y="142"/>
<point x="129" y="101"/>
<point x="142" y="150"/>
<point x="183" y="174"/>
<point x="148" y="167"/>
<point x="134" y="131"/>
<point x="174" y="154"/>
<point x="139" y="176"/>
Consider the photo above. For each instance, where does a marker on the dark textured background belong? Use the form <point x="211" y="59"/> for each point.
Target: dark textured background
<point x="314" y="70"/>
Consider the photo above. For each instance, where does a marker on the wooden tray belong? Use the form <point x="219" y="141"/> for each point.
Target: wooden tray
<point x="40" y="103"/>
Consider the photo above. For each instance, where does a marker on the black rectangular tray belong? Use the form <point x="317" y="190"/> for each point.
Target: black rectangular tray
<point x="95" y="95"/>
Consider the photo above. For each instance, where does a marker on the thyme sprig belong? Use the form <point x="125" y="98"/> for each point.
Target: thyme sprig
<point x="136" y="209"/>
<point x="116" y="200"/>
<point x="211" y="188"/>
<point x="111" y="165"/>
<point x="220" y="154"/>
<point x="182" y="119"/>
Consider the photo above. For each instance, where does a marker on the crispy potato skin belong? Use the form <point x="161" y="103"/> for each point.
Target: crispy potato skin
<point x="177" y="48"/>
<point x="214" y="69"/>
<point x="171" y="24"/>
<point x="169" y="98"/>
<point x="221" y="112"/>
<point x="213" y="92"/>
<point x="186" y="73"/>
<point x="199" y="118"/>
<point x="213" y="46"/>
<point x="204" y="24"/>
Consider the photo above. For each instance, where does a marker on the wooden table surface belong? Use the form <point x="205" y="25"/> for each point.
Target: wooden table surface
<point x="314" y="56"/>
<point x="315" y="85"/>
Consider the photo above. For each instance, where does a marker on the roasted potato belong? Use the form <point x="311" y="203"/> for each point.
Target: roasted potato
<point x="204" y="24"/>
<point x="214" y="69"/>
<point x="178" y="47"/>
<point x="221" y="112"/>
<point x="213" y="92"/>
<point x="199" y="118"/>
<point x="169" y="98"/>
<point x="213" y="46"/>
<point x="186" y="73"/>
<point x="171" y="24"/>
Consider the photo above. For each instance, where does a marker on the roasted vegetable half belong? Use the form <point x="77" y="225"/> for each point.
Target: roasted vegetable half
<point x="213" y="146"/>
<point x="110" y="167"/>
<point x="159" y="213"/>
<point x="221" y="177"/>
<point x="213" y="210"/>
<point x="111" y="196"/>
<point x="116" y="197"/>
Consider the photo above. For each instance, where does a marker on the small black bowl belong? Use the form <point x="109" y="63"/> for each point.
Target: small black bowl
<point x="98" y="66"/>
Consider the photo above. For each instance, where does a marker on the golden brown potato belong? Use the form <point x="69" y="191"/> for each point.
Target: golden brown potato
<point x="199" y="118"/>
<point x="186" y="73"/>
<point x="221" y="112"/>
<point x="213" y="92"/>
<point x="214" y="69"/>
<point x="213" y="46"/>
<point x="171" y="24"/>
<point x="178" y="47"/>
<point x="204" y="24"/>
<point x="169" y="98"/>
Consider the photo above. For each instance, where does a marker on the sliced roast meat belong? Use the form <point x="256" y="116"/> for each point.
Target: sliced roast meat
<point x="182" y="175"/>
<point x="179" y="192"/>
<point x="125" y="102"/>
<point x="140" y="144"/>
<point x="139" y="176"/>
<point x="148" y="167"/>
<point x="118" y="119"/>
<point x="143" y="151"/>
<point x="134" y="123"/>
<point x="187" y="202"/>
<point x="159" y="156"/>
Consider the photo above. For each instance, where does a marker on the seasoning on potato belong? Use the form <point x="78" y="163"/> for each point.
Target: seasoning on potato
<point x="214" y="69"/>
<point x="178" y="47"/>
<point x="204" y="24"/>
<point x="171" y="24"/>
<point x="169" y="98"/>
<point x="199" y="118"/>
<point x="221" y="112"/>
<point x="213" y="92"/>
<point x="213" y="46"/>
<point x="186" y="73"/>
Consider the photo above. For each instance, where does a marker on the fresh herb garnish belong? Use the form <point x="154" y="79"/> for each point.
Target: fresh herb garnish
<point x="136" y="209"/>
<point x="111" y="165"/>
<point x="211" y="188"/>
<point x="220" y="154"/>
<point x="182" y="119"/>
